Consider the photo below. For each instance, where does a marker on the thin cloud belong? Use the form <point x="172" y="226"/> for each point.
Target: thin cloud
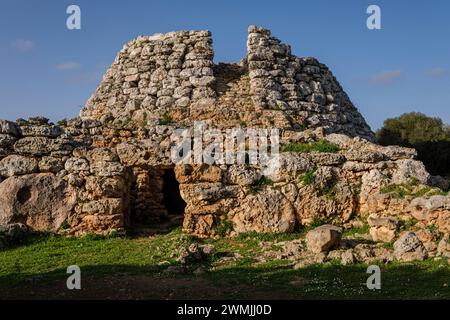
<point x="436" y="72"/>
<point x="23" y="45"/>
<point x="386" y="77"/>
<point x="68" y="66"/>
<point x="89" y="77"/>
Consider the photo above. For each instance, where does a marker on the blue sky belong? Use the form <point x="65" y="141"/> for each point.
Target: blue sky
<point x="46" y="69"/>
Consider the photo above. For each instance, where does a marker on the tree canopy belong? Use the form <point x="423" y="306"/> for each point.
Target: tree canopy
<point x="429" y="135"/>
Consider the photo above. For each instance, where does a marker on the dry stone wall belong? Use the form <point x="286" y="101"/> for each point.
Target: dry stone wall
<point x="152" y="75"/>
<point x="172" y="78"/>
<point x="53" y="180"/>
<point x="303" y="88"/>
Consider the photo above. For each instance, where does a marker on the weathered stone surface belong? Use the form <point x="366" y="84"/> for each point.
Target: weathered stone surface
<point x="51" y="164"/>
<point x="409" y="248"/>
<point x="37" y="146"/>
<point x="107" y="169"/>
<point x="198" y="173"/>
<point x="242" y="175"/>
<point x="17" y="165"/>
<point x="77" y="165"/>
<point x="288" y="165"/>
<point x="348" y="257"/>
<point x="106" y="187"/>
<point x="102" y="154"/>
<point x="443" y="248"/>
<point x="107" y="206"/>
<point x="382" y="228"/>
<point x="410" y="169"/>
<point x="266" y="211"/>
<point x="323" y="238"/>
<point x="41" y="131"/>
<point x="40" y="201"/>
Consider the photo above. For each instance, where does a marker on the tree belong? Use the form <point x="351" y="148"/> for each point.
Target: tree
<point x="411" y="128"/>
<point x="428" y="135"/>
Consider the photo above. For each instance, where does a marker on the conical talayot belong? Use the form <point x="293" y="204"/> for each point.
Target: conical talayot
<point x="173" y="76"/>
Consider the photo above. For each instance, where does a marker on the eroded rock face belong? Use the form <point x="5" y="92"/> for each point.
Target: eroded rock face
<point x="409" y="248"/>
<point x="17" y="165"/>
<point x="40" y="201"/>
<point x="266" y="211"/>
<point x="382" y="228"/>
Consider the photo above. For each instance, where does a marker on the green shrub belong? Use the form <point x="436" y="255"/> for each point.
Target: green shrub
<point x="62" y="123"/>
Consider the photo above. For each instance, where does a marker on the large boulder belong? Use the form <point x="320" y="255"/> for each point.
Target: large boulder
<point x="409" y="248"/>
<point x="323" y="238"/>
<point x="40" y="201"/>
<point x="266" y="211"/>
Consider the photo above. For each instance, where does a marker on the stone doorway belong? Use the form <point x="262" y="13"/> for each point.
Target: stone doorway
<point x="156" y="202"/>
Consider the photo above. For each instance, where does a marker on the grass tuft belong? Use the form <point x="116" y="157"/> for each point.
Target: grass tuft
<point x="318" y="146"/>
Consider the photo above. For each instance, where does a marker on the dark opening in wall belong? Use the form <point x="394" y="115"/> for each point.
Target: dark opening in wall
<point x="172" y="199"/>
<point x="156" y="205"/>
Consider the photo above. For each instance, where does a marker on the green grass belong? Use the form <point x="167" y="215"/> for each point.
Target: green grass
<point x="224" y="227"/>
<point x="318" y="146"/>
<point x="109" y="259"/>
<point x="414" y="189"/>
<point x="357" y="230"/>
<point x="308" y="177"/>
<point x="166" y="119"/>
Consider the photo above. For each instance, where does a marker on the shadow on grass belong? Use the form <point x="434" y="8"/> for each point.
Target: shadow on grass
<point x="427" y="280"/>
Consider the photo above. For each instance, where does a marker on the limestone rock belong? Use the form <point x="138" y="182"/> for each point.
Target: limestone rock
<point x="7" y="141"/>
<point x="266" y="211"/>
<point x="382" y="228"/>
<point x="409" y="248"/>
<point x="40" y="201"/>
<point x="40" y="131"/>
<point x="51" y="164"/>
<point x="348" y="257"/>
<point x="17" y="165"/>
<point x="323" y="238"/>
<point x="36" y="146"/>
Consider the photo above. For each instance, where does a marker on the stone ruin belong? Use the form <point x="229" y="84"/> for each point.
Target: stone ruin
<point x="110" y="168"/>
